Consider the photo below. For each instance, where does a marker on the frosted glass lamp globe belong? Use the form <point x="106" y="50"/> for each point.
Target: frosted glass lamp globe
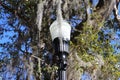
<point x="60" y="30"/>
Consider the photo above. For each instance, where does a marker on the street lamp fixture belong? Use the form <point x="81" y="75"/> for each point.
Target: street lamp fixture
<point x="60" y="33"/>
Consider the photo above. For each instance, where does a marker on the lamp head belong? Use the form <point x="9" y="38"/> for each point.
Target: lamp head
<point x="61" y="30"/>
<point x="60" y="33"/>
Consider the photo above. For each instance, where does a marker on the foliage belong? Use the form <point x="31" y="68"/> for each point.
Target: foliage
<point x="92" y="42"/>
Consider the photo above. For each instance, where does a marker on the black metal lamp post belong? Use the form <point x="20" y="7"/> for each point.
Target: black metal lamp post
<point x="60" y="33"/>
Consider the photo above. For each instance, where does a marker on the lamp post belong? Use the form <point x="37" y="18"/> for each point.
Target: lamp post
<point x="60" y="33"/>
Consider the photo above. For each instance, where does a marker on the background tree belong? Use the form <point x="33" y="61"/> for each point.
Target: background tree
<point x="28" y="52"/>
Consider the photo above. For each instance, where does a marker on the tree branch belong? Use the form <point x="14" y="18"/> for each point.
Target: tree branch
<point x="15" y="12"/>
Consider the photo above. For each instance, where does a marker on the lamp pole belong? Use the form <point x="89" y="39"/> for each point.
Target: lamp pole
<point x="61" y="38"/>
